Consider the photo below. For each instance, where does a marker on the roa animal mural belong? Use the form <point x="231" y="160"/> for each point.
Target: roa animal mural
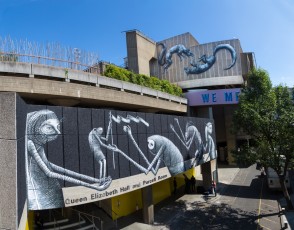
<point x="203" y="63"/>
<point x="165" y="56"/>
<point x="44" y="179"/>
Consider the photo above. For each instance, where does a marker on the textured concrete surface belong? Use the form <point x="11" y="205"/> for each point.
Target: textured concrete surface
<point x="68" y="75"/>
<point x="8" y="149"/>
<point x="7" y="116"/>
<point x="8" y="180"/>
<point x="227" y="80"/>
<point x="48" y="89"/>
<point x="140" y="226"/>
<point x="135" y="221"/>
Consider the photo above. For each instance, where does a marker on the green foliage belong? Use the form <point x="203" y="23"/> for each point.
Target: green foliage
<point x="143" y="80"/>
<point x="266" y="113"/>
<point x="66" y="73"/>
<point x="117" y="73"/>
<point x="8" y="57"/>
<point x="245" y="156"/>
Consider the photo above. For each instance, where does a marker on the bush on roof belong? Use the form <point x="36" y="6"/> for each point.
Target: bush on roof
<point x="118" y="73"/>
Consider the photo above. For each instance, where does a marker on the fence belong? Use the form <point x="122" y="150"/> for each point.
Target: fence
<point x="51" y="54"/>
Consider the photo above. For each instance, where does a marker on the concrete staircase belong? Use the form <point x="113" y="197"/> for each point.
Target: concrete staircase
<point x="76" y="222"/>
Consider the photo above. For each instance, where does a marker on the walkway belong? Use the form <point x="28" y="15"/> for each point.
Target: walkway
<point x="244" y="202"/>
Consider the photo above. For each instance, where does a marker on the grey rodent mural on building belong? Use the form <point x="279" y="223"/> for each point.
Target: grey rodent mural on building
<point x="45" y="179"/>
<point x="205" y="63"/>
<point x="201" y="65"/>
<point x="165" y="56"/>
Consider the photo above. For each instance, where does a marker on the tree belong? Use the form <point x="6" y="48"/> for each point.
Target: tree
<point x="266" y="113"/>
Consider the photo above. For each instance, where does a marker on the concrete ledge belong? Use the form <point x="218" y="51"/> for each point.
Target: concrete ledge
<point x="148" y="91"/>
<point x="41" y="89"/>
<point x="82" y="76"/>
<point x="283" y="220"/>
<point x="15" y="67"/>
<point x="106" y="81"/>
<point x="43" y="70"/>
<point x="204" y="82"/>
<point x="57" y="73"/>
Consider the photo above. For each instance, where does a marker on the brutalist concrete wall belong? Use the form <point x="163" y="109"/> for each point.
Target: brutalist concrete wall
<point x="8" y="161"/>
<point x="140" y="51"/>
<point x="20" y="109"/>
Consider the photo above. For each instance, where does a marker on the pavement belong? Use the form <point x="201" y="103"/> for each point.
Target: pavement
<point x="287" y="220"/>
<point x="226" y="175"/>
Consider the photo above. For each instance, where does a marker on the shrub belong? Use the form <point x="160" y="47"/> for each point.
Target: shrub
<point x="113" y="71"/>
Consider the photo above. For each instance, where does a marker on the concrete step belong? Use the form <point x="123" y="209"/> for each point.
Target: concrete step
<point x="86" y="227"/>
<point x="69" y="226"/>
<point x="58" y="222"/>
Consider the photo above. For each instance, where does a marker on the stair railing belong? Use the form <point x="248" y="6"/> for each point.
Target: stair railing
<point x="91" y="218"/>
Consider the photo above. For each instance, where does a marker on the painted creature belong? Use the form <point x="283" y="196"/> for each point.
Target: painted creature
<point x="164" y="151"/>
<point x="95" y="137"/>
<point x="209" y="146"/>
<point x="206" y="63"/>
<point x="43" y="188"/>
<point x="192" y="135"/>
<point x="165" y="56"/>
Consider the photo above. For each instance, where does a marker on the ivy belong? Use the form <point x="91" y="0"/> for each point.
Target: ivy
<point x="118" y="73"/>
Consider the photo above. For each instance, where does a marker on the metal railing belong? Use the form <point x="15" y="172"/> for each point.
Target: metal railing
<point x="56" y="224"/>
<point x="95" y="220"/>
<point x="49" y="61"/>
<point x="109" y="210"/>
<point x="70" y="71"/>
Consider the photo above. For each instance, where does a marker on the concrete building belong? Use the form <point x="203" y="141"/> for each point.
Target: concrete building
<point x="210" y="74"/>
<point x="71" y="138"/>
<point x="32" y="94"/>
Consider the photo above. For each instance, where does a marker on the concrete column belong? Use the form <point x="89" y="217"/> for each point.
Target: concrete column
<point x="205" y="112"/>
<point x="141" y="50"/>
<point x="230" y="138"/>
<point x="8" y="162"/>
<point x="148" y="207"/>
<point x="206" y="175"/>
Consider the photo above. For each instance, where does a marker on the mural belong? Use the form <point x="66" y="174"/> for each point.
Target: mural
<point x="44" y="190"/>
<point x="201" y="65"/>
<point x="205" y="63"/>
<point x="192" y="135"/>
<point x="125" y="136"/>
<point x="165" y="56"/>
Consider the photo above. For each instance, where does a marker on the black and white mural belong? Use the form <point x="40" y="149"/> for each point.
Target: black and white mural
<point x="75" y="155"/>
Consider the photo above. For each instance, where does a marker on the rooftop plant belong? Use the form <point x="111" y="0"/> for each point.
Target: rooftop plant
<point x="113" y="71"/>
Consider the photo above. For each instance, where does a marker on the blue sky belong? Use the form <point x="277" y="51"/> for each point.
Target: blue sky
<point x="265" y="27"/>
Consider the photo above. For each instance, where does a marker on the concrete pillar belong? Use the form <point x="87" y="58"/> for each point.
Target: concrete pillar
<point x="8" y="162"/>
<point x="206" y="175"/>
<point x="230" y="138"/>
<point x="141" y="50"/>
<point x="205" y="112"/>
<point x="148" y="207"/>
